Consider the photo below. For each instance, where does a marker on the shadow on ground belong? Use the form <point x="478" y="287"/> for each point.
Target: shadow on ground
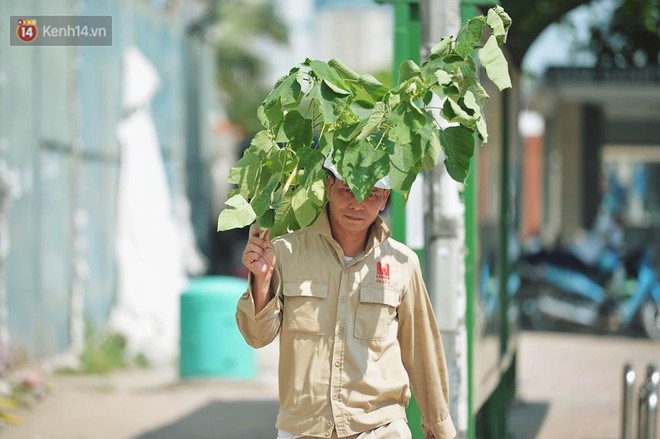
<point x="527" y="419"/>
<point x="256" y="420"/>
<point x="223" y="420"/>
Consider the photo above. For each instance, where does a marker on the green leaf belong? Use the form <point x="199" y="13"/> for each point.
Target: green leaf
<point x="361" y="109"/>
<point x="325" y="143"/>
<point x="311" y="165"/>
<point x="453" y="112"/>
<point x="407" y="119"/>
<point x="407" y="70"/>
<point x="271" y="114"/>
<point x="286" y="94"/>
<point x="350" y="132"/>
<point x="499" y="22"/>
<point x="303" y="207"/>
<point x="316" y="192"/>
<point x="343" y="70"/>
<point x="307" y="202"/>
<point x="479" y="92"/>
<point x="404" y="167"/>
<point x="414" y="116"/>
<point x="430" y="146"/>
<point x="298" y="130"/>
<point x="458" y="144"/>
<point x="482" y="129"/>
<point x="399" y="132"/>
<point x="470" y="101"/>
<point x="330" y="104"/>
<point x="471" y="104"/>
<point x="430" y="66"/>
<point x="494" y="62"/>
<point x="361" y="165"/>
<point x="238" y="214"/>
<point x="443" y="77"/>
<point x="261" y="201"/>
<point x="325" y="72"/>
<point x="338" y="90"/>
<point x="443" y="47"/>
<point x="261" y="115"/>
<point x="262" y="142"/>
<point x="370" y="81"/>
<point x="285" y="219"/>
<point x="246" y="171"/>
<point x="373" y="123"/>
<point x="366" y="89"/>
<point x="403" y="158"/>
<point x="267" y="220"/>
<point x="469" y="36"/>
<point x="289" y="90"/>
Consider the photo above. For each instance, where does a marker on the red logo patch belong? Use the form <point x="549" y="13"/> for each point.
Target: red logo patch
<point x="382" y="273"/>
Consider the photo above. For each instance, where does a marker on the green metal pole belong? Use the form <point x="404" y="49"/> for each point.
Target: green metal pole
<point x="496" y="407"/>
<point x="407" y="41"/>
<point x="407" y="44"/>
<point x="470" y="10"/>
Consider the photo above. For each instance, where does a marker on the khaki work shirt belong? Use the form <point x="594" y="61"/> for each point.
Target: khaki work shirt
<point x="353" y="338"/>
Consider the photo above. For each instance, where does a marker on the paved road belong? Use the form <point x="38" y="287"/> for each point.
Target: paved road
<point x="569" y="387"/>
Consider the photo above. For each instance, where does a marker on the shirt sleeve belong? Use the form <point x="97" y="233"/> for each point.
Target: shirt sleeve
<point x="261" y="329"/>
<point x="423" y="356"/>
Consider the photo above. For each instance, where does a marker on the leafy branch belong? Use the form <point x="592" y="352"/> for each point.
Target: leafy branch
<point x="321" y="110"/>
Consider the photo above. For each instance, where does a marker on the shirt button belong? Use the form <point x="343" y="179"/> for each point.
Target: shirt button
<point x="337" y="363"/>
<point x="328" y="423"/>
<point x="342" y="300"/>
<point x="335" y="397"/>
<point x="341" y="330"/>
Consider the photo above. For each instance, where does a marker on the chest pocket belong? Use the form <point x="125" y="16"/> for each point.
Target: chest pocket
<point x="376" y="311"/>
<point x="304" y="307"/>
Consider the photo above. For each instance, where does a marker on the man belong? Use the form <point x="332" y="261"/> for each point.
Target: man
<point x="356" y="326"/>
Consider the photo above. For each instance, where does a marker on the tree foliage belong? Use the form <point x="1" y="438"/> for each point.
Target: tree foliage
<point x="240" y="69"/>
<point x="532" y="17"/>
<point x="324" y="109"/>
<point x="630" y="39"/>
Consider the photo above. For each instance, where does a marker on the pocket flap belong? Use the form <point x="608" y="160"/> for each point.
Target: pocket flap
<point x="377" y="293"/>
<point x="305" y="289"/>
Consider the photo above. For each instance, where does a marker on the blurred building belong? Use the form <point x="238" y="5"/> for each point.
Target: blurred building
<point x="357" y="32"/>
<point x="66" y="127"/>
<point x="601" y="152"/>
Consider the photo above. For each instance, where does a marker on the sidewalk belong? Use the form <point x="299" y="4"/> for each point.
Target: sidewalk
<point x="569" y="387"/>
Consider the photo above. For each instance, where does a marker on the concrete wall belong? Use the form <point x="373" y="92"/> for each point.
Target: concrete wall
<point x="564" y="166"/>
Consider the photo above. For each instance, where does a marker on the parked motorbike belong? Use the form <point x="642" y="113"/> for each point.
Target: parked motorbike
<point x="560" y="291"/>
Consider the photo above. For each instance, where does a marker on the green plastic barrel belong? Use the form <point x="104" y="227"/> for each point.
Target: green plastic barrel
<point x="210" y="342"/>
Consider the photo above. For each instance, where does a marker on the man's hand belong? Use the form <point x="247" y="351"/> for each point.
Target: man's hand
<point x="259" y="258"/>
<point x="259" y="255"/>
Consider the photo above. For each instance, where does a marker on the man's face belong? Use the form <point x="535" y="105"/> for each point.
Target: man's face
<point x="346" y="213"/>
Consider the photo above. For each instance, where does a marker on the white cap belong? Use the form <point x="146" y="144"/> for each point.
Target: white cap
<point x="383" y="183"/>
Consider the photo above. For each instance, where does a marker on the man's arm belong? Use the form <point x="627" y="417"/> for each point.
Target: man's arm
<point x="258" y="313"/>
<point x="259" y="258"/>
<point x="424" y="358"/>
